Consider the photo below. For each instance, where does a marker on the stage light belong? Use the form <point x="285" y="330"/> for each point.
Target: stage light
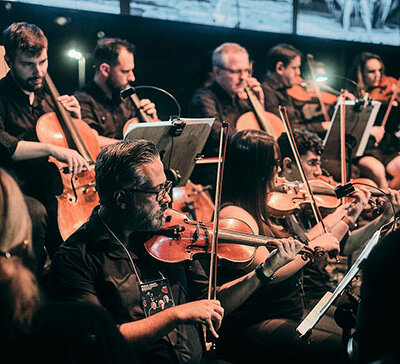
<point x="81" y="65"/>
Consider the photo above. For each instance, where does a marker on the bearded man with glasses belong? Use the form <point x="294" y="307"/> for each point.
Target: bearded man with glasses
<point x="158" y="307"/>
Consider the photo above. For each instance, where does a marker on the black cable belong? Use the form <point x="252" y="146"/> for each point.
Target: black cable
<point x="165" y="92"/>
<point x="387" y="197"/>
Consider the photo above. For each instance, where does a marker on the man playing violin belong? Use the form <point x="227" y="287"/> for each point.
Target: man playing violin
<point x="378" y="162"/>
<point x="224" y="99"/>
<point x="102" y="107"/>
<point x="317" y="280"/>
<point x="283" y="68"/>
<point x="105" y="262"/>
<point x="23" y="100"/>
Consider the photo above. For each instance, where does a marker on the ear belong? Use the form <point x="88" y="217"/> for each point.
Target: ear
<point x="280" y="67"/>
<point x="287" y="165"/>
<point x="120" y="199"/>
<point x="216" y="71"/>
<point x="104" y="69"/>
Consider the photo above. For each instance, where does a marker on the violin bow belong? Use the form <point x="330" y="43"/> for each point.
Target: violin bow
<point x="314" y="207"/>
<point x="212" y="280"/>
<point x="310" y="61"/>
<point x="390" y="105"/>
<point x="343" y="171"/>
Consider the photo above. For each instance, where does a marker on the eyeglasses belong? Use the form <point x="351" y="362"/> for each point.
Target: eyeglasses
<point x="246" y="71"/>
<point x="314" y="162"/>
<point x="160" y="194"/>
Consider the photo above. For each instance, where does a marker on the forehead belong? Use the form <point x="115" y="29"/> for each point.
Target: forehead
<point x="154" y="172"/>
<point x="295" y="62"/>
<point x="28" y="57"/>
<point x="372" y="65"/>
<point x="232" y="59"/>
<point x="125" y="59"/>
<point x="310" y="155"/>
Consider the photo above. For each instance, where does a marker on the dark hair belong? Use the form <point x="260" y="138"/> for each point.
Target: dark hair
<point x="23" y="37"/>
<point x="306" y="141"/>
<point x="118" y="166"/>
<point x="358" y="66"/>
<point x="284" y="53"/>
<point x="108" y="50"/>
<point x="248" y="172"/>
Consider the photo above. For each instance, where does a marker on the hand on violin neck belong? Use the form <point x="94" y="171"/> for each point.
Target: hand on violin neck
<point x="355" y="208"/>
<point x="254" y="86"/>
<point x="285" y="252"/>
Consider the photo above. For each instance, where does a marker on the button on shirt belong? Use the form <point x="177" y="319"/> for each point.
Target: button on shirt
<point x="92" y="266"/>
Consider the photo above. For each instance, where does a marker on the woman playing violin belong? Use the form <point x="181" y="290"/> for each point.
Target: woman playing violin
<point x="268" y="319"/>
<point x="368" y="71"/>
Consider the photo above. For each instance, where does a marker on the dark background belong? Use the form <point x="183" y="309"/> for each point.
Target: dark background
<point x="171" y="55"/>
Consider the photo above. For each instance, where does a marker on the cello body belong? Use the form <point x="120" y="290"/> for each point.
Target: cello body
<point x="78" y="196"/>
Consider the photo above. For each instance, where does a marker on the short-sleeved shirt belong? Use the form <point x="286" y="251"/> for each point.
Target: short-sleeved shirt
<point x="18" y="119"/>
<point x="92" y="266"/>
<point x="107" y="116"/>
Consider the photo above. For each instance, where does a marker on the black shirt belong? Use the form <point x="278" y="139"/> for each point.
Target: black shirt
<point x="18" y="121"/>
<point x="213" y="101"/>
<point x="92" y="266"/>
<point x="107" y="116"/>
<point x="275" y="94"/>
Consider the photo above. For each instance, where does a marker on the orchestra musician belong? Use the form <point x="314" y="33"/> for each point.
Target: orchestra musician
<point x="377" y="162"/>
<point x="316" y="279"/>
<point x="283" y="69"/>
<point x="23" y="99"/>
<point x="102" y="107"/>
<point x="224" y="99"/>
<point x="266" y="322"/>
<point x="105" y="262"/>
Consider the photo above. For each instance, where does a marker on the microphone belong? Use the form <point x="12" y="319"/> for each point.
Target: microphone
<point x="344" y="190"/>
<point x="127" y="92"/>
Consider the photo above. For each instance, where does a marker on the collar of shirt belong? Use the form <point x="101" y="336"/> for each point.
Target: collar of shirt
<point x="93" y="89"/>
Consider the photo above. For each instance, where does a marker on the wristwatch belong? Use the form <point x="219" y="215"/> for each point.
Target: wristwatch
<point x="261" y="276"/>
<point x="349" y="223"/>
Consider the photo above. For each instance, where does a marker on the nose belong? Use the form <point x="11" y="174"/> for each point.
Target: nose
<point x="166" y="199"/>
<point x="131" y="77"/>
<point x="317" y="171"/>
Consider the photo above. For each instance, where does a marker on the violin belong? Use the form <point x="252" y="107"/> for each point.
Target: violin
<point x="290" y="197"/>
<point x="193" y="200"/>
<point x="384" y="92"/>
<point x="259" y="119"/>
<point x="303" y="92"/>
<point x="79" y="196"/>
<point x="180" y="239"/>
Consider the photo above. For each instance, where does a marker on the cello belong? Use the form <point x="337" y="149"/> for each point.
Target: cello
<point x="78" y="196"/>
<point x="259" y="119"/>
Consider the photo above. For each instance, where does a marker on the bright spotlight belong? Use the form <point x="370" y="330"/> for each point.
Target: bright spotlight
<point x="74" y="54"/>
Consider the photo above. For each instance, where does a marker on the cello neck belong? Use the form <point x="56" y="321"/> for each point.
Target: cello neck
<point x="144" y="118"/>
<point x="258" y="111"/>
<point x="66" y="121"/>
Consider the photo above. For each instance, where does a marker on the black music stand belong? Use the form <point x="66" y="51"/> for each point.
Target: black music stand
<point x="359" y="119"/>
<point x="178" y="141"/>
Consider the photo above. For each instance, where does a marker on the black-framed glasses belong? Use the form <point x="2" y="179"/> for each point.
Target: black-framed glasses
<point x="160" y="194"/>
<point x="246" y="71"/>
<point x="314" y="162"/>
